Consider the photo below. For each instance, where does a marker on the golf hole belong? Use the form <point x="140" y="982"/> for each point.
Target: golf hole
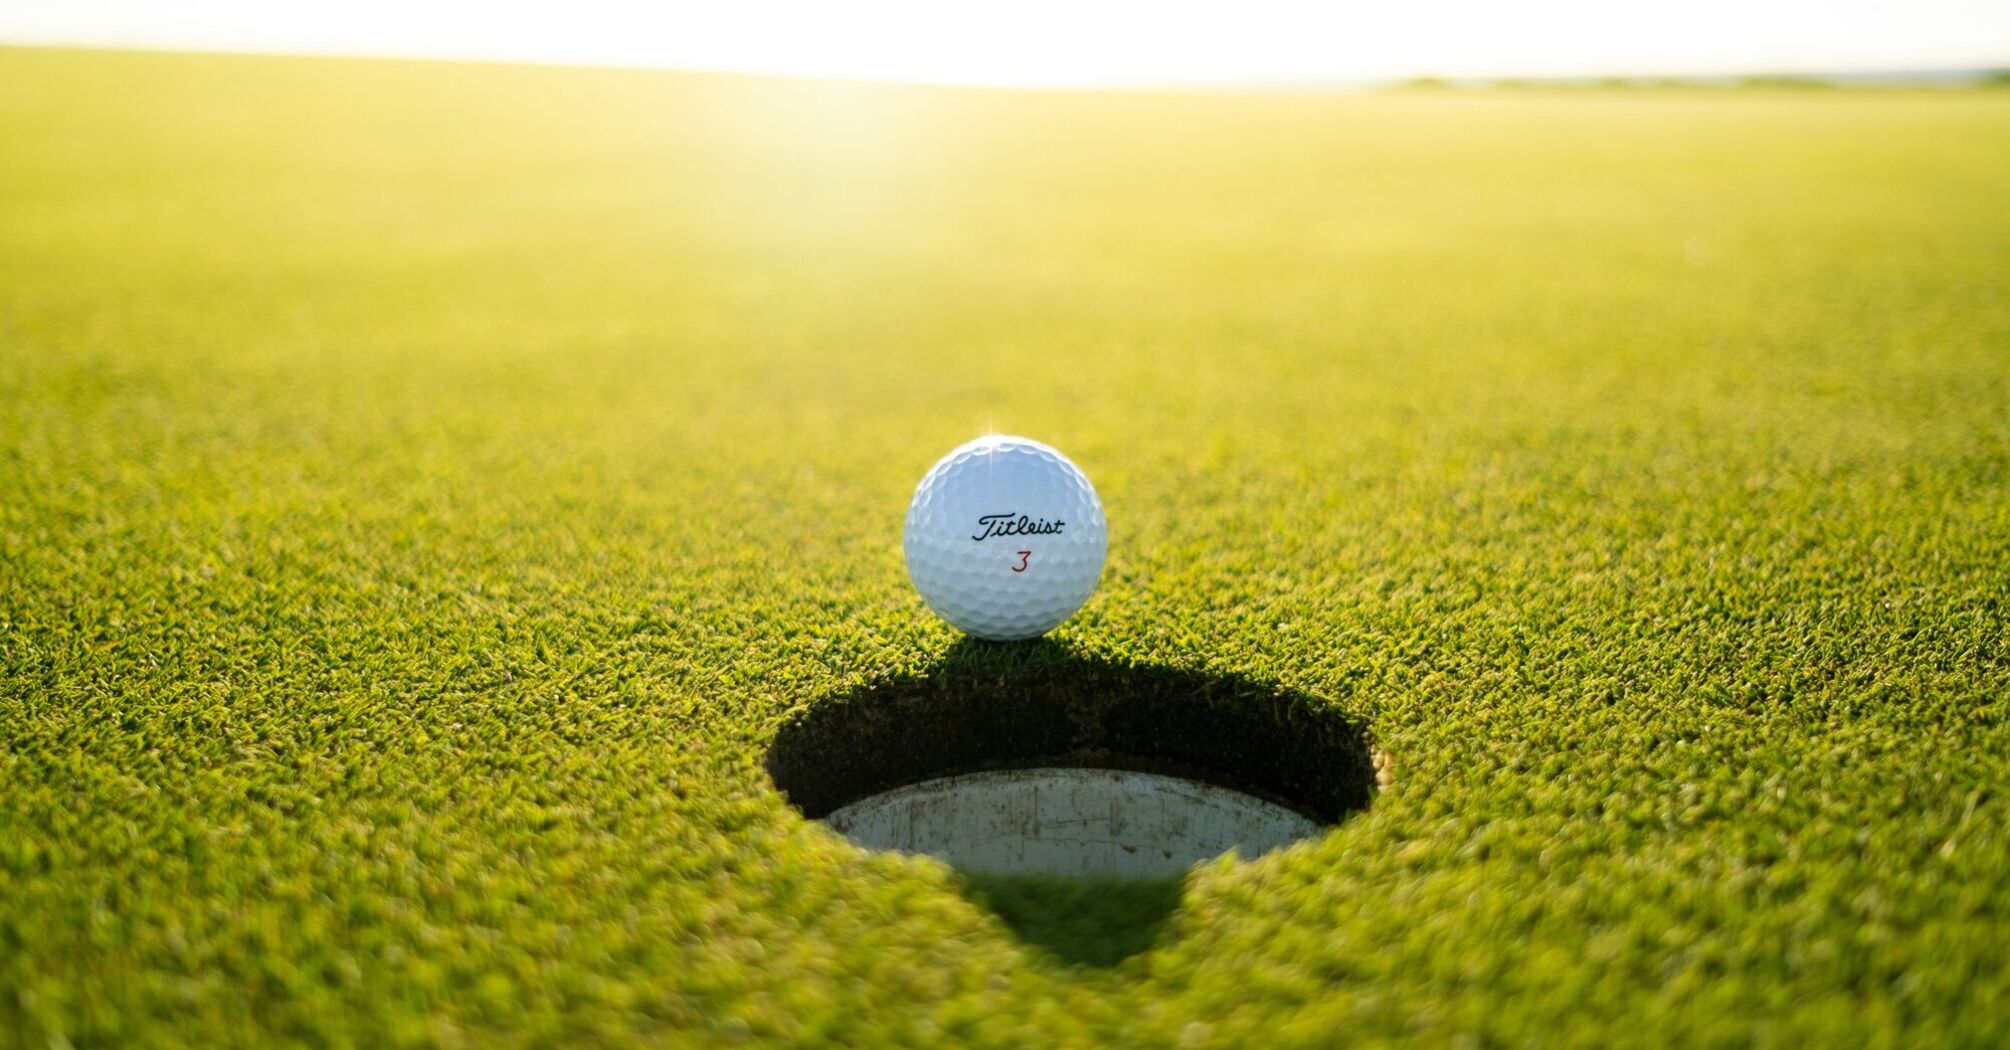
<point x="1063" y="821"/>
<point x="1026" y="759"/>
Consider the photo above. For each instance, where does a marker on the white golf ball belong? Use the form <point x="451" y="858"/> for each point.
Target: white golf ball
<point x="1005" y="538"/>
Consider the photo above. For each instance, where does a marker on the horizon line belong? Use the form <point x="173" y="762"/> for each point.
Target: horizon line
<point x="1969" y="74"/>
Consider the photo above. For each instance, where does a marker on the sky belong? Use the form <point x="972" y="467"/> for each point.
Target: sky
<point x="1077" y="42"/>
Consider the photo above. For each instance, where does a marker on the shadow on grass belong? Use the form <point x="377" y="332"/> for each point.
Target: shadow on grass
<point x="991" y="706"/>
<point x="1082" y="921"/>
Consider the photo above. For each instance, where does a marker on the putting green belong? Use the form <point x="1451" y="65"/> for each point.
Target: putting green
<point x="426" y="489"/>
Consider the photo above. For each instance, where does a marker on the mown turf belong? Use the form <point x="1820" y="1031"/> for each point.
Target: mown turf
<point x="1093" y="921"/>
<point x="425" y="489"/>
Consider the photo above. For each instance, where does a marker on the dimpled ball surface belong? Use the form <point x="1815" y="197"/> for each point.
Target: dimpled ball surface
<point x="1005" y="538"/>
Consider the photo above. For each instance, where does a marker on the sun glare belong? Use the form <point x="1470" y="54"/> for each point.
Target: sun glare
<point x="1049" y="42"/>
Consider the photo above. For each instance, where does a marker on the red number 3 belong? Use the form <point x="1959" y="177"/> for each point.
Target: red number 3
<point x="1024" y="557"/>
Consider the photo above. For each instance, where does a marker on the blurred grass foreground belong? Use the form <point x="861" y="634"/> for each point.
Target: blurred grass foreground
<point x="425" y="488"/>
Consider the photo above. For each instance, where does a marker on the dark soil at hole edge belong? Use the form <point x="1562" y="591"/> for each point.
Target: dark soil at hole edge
<point x="1284" y="746"/>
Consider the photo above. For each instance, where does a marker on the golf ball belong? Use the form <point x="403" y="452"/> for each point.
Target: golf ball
<point x="1005" y="538"/>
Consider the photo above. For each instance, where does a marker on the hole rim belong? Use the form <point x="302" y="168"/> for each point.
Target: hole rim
<point x="1012" y="706"/>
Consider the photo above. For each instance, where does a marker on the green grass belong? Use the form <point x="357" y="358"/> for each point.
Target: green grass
<point x="1096" y="921"/>
<point x="425" y="489"/>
